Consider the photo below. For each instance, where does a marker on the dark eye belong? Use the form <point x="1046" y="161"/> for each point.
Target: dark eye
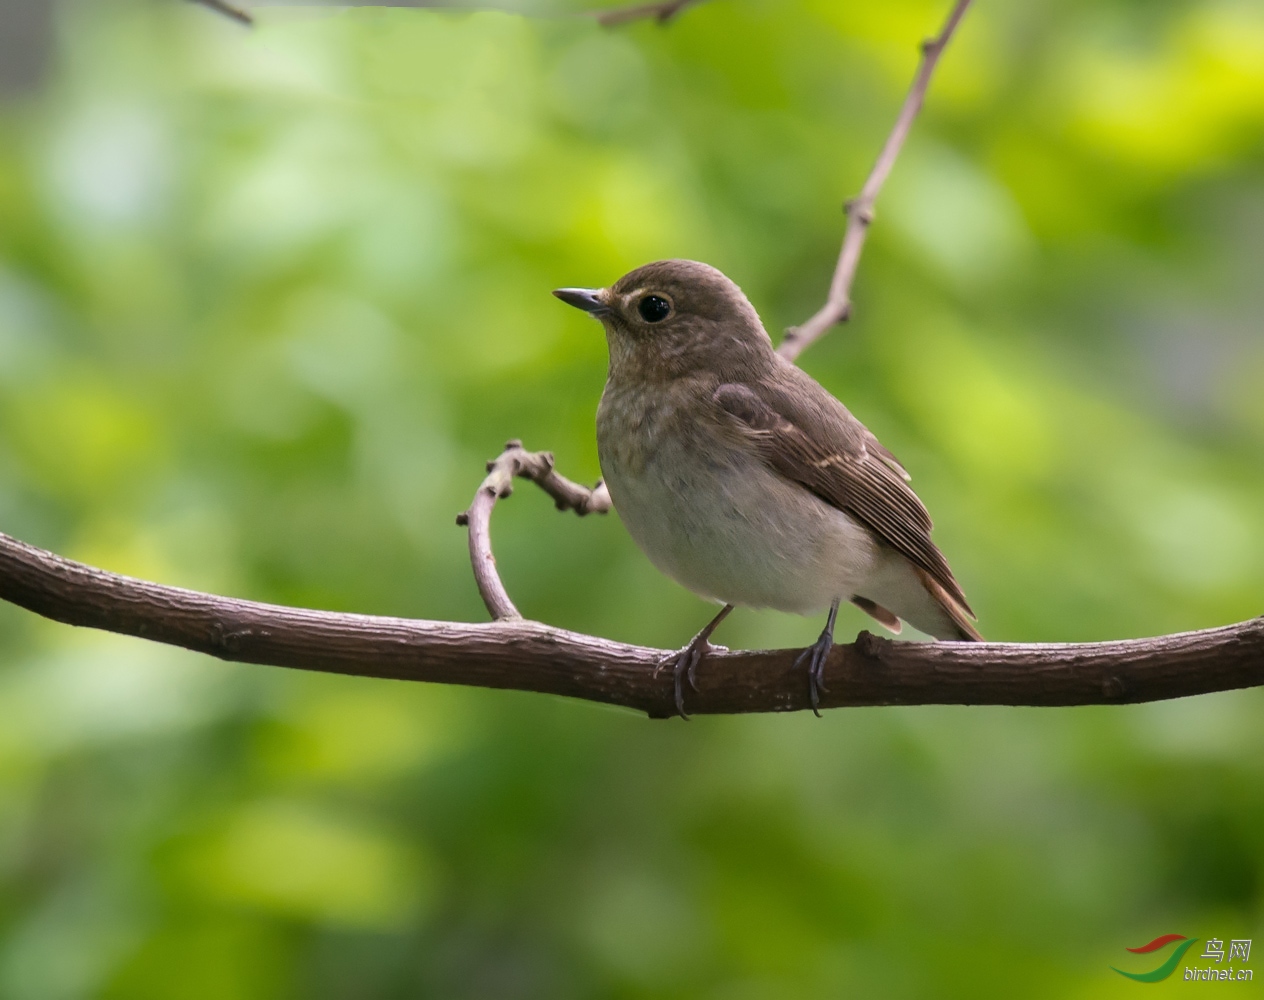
<point x="653" y="308"/>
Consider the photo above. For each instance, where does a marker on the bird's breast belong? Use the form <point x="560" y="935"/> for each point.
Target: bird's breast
<point x="710" y="514"/>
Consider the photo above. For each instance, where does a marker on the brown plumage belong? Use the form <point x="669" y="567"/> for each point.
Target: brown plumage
<point x="841" y="462"/>
<point x="743" y="478"/>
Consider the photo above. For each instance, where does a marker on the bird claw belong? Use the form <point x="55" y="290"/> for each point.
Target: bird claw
<point x="684" y="666"/>
<point x="685" y="663"/>
<point x="816" y="655"/>
<point x="704" y="649"/>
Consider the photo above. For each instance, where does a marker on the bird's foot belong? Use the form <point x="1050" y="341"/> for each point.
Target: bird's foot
<point x="816" y="655"/>
<point x="684" y="664"/>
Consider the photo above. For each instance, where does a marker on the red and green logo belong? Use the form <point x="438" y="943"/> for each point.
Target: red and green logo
<point x="1169" y="965"/>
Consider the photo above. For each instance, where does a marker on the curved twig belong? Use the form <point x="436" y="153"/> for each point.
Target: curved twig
<point x="523" y="655"/>
<point x="538" y="467"/>
<point x="528" y="656"/>
<point x="837" y="306"/>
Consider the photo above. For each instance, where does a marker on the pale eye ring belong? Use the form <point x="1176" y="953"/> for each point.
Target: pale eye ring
<point x="653" y="308"/>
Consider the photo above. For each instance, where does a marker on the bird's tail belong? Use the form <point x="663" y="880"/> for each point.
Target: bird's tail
<point x="960" y="617"/>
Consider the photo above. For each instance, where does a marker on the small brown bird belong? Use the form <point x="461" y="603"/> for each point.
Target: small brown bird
<point x="743" y="479"/>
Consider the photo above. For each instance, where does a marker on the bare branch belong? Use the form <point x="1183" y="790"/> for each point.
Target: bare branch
<point x="538" y="467"/>
<point x="513" y="653"/>
<point x="660" y="12"/>
<point x="837" y="306"/>
<point x="228" y="10"/>
<point x="528" y="656"/>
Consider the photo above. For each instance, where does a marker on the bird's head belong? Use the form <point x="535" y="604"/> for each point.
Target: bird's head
<point x="674" y="317"/>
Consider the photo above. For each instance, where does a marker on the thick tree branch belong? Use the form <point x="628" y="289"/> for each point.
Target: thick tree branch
<point x="522" y="655"/>
<point x="837" y="306"/>
<point x="528" y="656"/>
<point x="538" y="467"/>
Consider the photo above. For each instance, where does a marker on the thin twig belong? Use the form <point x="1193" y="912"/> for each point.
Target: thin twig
<point x="660" y="12"/>
<point x="529" y="656"/>
<point x="228" y="10"/>
<point x="538" y="467"/>
<point x="837" y="306"/>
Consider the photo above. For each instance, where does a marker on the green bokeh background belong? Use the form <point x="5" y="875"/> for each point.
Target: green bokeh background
<point x="268" y="299"/>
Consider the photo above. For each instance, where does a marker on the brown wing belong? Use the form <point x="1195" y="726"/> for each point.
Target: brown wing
<point x="807" y="436"/>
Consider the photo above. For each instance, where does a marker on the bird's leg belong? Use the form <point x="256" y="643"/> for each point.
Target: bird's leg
<point x="685" y="663"/>
<point x="816" y="655"/>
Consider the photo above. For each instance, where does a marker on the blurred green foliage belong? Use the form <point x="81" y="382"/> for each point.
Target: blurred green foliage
<point x="269" y="298"/>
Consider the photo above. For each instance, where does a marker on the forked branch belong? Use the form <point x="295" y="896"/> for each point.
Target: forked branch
<point x="836" y="308"/>
<point x="513" y="653"/>
<point x="538" y="467"/>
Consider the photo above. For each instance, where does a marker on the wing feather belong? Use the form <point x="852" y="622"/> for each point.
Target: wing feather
<point x="810" y="438"/>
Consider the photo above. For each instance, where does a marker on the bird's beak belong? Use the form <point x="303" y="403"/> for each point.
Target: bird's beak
<point x="591" y="300"/>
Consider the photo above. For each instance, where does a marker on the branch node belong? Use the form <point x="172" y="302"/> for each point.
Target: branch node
<point x="859" y="208"/>
<point x="870" y="646"/>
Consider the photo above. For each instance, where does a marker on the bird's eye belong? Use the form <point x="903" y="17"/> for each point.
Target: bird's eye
<point x="653" y="308"/>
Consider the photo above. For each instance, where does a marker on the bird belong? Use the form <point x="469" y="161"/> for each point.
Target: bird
<point x="742" y="478"/>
